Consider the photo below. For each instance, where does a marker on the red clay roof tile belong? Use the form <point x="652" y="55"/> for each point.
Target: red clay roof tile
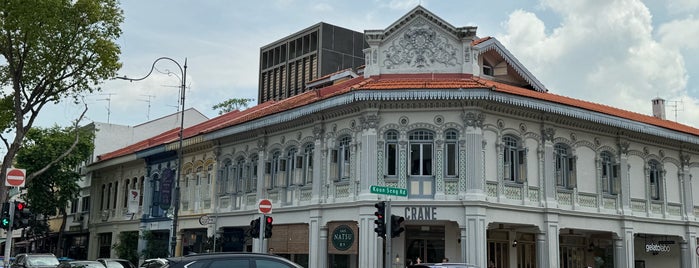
<point x="387" y="82"/>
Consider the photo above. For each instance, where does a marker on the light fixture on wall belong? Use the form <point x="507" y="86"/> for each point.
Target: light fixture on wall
<point x="514" y="243"/>
<point x="397" y="259"/>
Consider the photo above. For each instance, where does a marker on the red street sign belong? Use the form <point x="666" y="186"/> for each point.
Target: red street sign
<point x="15" y="177"/>
<point x="265" y="206"/>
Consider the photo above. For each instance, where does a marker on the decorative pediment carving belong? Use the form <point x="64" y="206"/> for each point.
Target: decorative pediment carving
<point x="421" y="46"/>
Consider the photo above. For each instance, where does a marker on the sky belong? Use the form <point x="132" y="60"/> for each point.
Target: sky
<point x="620" y="53"/>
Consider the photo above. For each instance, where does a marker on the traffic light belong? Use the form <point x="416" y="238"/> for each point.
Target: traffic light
<point x="380" y="219"/>
<point x="22" y="215"/>
<point x="255" y="228"/>
<point x="396" y="229"/>
<point x="5" y="217"/>
<point x="268" y="226"/>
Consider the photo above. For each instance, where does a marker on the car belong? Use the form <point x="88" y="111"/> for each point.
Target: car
<point x="80" y="264"/>
<point x="116" y="263"/>
<point x="231" y="259"/>
<point x="35" y="260"/>
<point x="445" y="264"/>
<point x="154" y="263"/>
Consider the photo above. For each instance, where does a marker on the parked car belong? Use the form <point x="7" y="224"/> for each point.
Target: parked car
<point x="35" y="260"/>
<point x="116" y="263"/>
<point x="80" y="264"/>
<point x="154" y="263"/>
<point x="445" y="264"/>
<point x="232" y="259"/>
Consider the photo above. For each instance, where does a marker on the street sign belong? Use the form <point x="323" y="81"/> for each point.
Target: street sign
<point x="265" y="206"/>
<point x="15" y="177"/>
<point x="375" y="189"/>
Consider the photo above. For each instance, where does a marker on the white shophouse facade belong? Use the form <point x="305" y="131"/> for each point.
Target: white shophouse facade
<point x="499" y="172"/>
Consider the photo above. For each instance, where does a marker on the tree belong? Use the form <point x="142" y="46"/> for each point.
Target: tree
<point x="231" y="105"/>
<point x="52" y="190"/>
<point x="53" y="51"/>
<point x="156" y="245"/>
<point x="126" y="247"/>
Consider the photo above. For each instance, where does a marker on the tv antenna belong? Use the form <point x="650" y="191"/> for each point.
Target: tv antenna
<point x="109" y="104"/>
<point x="180" y="97"/>
<point x="148" y="101"/>
<point x="676" y="106"/>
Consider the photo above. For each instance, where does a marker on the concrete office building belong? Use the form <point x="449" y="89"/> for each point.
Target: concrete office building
<point x="289" y="63"/>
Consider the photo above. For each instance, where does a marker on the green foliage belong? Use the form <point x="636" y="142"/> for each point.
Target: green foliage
<point x="54" y="189"/>
<point x="51" y="50"/>
<point x="126" y="247"/>
<point x="231" y="105"/>
<point x="156" y="246"/>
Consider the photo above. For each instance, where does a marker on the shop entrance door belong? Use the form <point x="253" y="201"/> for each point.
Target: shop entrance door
<point x="426" y="242"/>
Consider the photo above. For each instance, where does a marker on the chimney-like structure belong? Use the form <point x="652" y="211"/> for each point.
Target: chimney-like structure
<point x="659" y="108"/>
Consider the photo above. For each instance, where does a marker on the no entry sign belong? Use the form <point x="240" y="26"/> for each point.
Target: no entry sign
<point x="265" y="206"/>
<point x="15" y="177"/>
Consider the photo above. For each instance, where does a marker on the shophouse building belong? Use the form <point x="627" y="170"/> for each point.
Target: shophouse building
<point x="499" y="171"/>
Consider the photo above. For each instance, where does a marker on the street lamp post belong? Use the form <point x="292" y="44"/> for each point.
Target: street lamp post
<point x="176" y="198"/>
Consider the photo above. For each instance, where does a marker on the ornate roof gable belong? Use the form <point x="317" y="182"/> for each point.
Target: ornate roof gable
<point x="419" y="42"/>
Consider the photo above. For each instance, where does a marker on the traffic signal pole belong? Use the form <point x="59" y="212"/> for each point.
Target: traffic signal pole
<point x="8" y="239"/>
<point x="387" y="220"/>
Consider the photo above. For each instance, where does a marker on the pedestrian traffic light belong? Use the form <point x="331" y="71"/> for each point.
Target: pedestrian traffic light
<point x="5" y="217"/>
<point x="380" y="219"/>
<point x="268" y="226"/>
<point x="396" y="229"/>
<point x="255" y="228"/>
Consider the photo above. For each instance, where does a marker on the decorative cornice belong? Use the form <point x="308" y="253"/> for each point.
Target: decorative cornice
<point x="490" y="100"/>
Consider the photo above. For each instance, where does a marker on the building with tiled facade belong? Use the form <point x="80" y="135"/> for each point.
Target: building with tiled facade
<point x="499" y="171"/>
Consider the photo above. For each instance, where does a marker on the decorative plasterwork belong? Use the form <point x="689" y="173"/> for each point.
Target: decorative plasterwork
<point x="421" y="46"/>
<point x="473" y="119"/>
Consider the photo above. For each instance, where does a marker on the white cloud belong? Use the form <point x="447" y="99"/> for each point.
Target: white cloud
<point x="675" y="33"/>
<point x="603" y="51"/>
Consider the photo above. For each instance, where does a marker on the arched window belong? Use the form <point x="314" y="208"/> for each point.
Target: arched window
<point x="391" y="138"/>
<point x="451" y="153"/>
<point x="610" y="173"/>
<point x="273" y="169"/>
<point x="252" y="178"/>
<point x="514" y="159"/>
<point x="239" y="175"/>
<point x="307" y="163"/>
<point x="421" y="152"/>
<point x="341" y="159"/>
<point x="655" y="179"/>
<point x="294" y="170"/>
<point x="565" y="166"/>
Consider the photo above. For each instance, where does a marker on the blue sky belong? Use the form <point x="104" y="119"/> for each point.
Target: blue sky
<point x="620" y="53"/>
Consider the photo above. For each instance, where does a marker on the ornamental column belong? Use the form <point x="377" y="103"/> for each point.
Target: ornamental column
<point x="368" y="164"/>
<point x="471" y="179"/>
<point x="549" y="169"/>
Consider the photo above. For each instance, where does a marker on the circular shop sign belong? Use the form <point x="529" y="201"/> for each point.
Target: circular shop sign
<point x="343" y="237"/>
<point x="204" y="220"/>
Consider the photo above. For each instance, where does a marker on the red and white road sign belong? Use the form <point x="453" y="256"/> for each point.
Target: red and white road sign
<point x="265" y="206"/>
<point x="15" y="177"/>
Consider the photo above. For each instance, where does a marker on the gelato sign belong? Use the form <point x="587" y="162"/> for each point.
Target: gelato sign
<point x="343" y="237"/>
<point x="655" y="248"/>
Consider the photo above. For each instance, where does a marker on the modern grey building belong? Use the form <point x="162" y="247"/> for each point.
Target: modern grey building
<point x="289" y="63"/>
